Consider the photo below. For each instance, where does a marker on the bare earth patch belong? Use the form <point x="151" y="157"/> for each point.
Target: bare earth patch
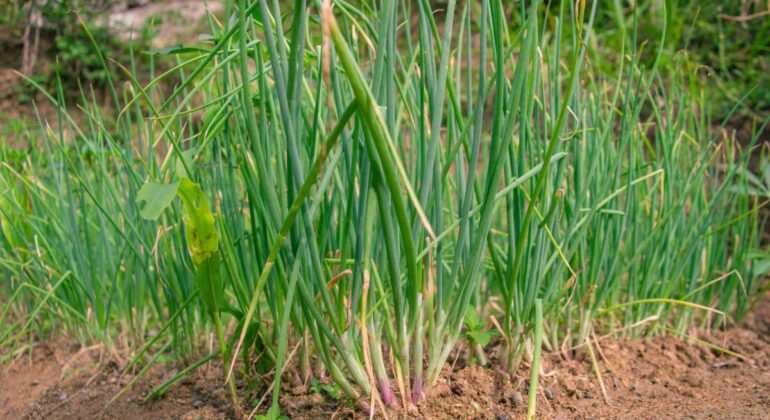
<point x="61" y="381"/>
<point x="661" y="377"/>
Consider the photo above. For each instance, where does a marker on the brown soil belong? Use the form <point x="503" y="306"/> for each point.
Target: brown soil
<point x="60" y="381"/>
<point x="661" y="377"/>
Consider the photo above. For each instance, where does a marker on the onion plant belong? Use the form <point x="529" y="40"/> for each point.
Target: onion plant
<point x="358" y="177"/>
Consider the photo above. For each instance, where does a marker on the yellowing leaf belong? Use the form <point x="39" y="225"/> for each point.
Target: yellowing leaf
<point x="199" y="222"/>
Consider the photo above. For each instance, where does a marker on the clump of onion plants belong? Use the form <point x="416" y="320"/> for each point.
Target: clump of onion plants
<point x="390" y="182"/>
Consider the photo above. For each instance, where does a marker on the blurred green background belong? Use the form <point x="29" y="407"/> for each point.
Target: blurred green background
<point x="722" y="46"/>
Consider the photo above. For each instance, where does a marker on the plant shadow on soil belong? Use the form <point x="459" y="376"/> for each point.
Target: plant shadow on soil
<point x="661" y="377"/>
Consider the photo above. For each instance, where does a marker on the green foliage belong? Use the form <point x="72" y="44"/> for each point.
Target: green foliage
<point x="202" y="243"/>
<point x="200" y="231"/>
<point x="5" y="203"/>
<point x="156" y="198"/>
<point x="374" y="191"/>
<point x="476" y="329"/>
<point x="77" y="59"/>
<point x="66" y="25"/>
<point x="330" y="389"/>
<point x="726" y="41"/>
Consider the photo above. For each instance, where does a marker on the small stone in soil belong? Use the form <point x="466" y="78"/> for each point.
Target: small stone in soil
<point x="549" y="394"/>
<point x="198" y="403"/>
<point x="63" y="397"/>
<point x="517" y="398"/>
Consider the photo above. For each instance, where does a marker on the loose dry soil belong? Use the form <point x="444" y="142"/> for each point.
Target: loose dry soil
<point x="657" y="378"/>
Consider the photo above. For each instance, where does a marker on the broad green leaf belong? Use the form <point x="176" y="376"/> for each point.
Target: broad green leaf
<point x="199" y="222"/>
<point x="156" y="198"/>
<point x="482" y="337"/>
<point x="471" y="318"/>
